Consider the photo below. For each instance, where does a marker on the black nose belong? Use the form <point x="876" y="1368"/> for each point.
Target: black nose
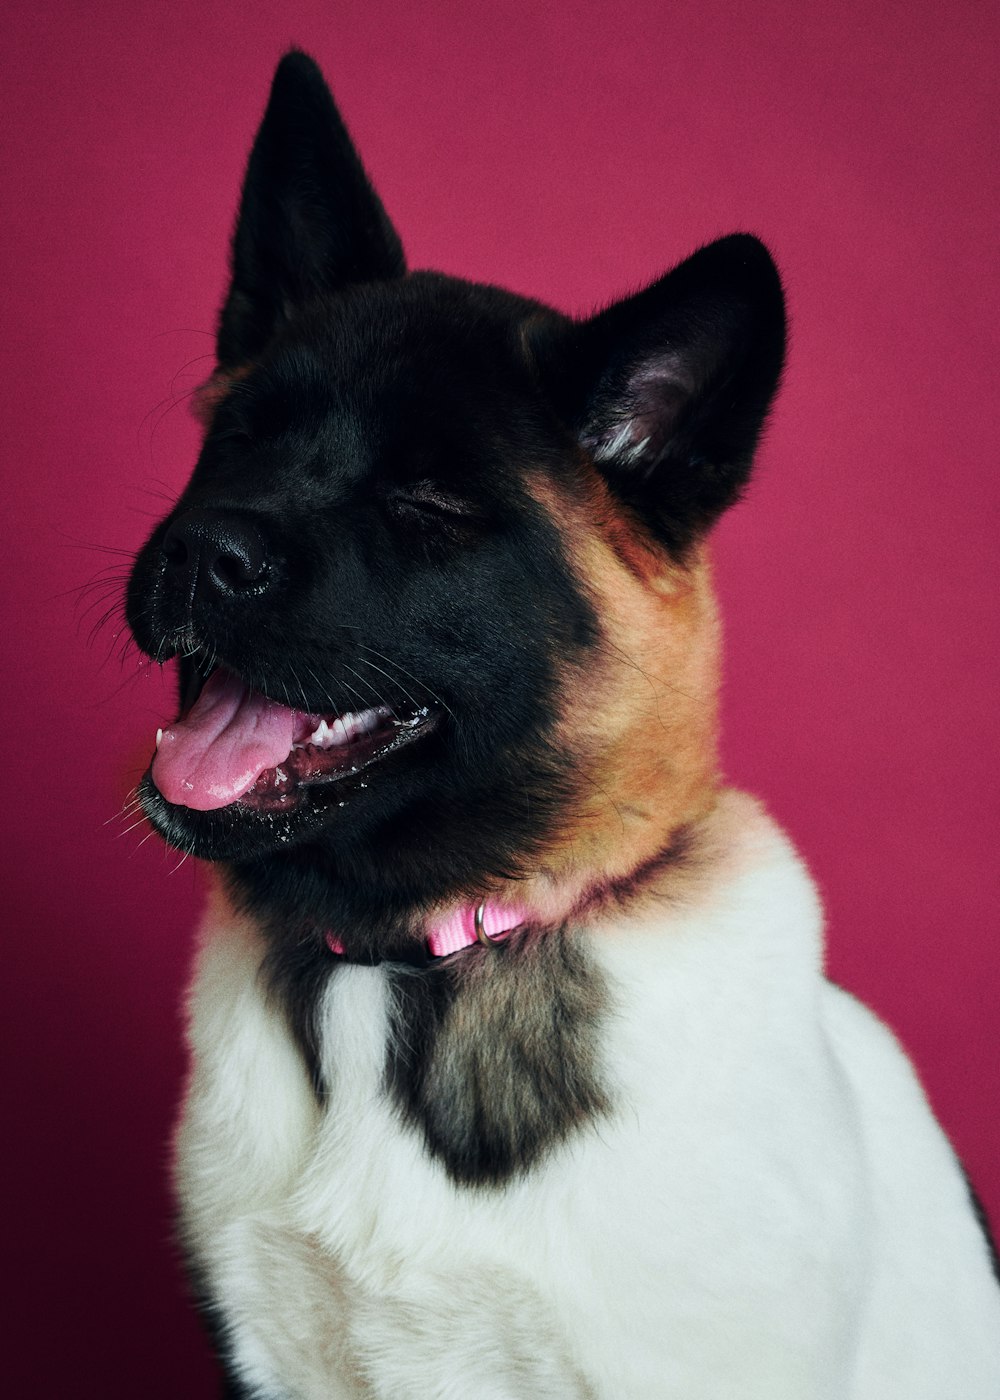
<point x="216" y="552"/>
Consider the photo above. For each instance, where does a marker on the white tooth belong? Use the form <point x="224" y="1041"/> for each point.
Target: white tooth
<point x="343" y="728"/>
<point x="159" y="736"/>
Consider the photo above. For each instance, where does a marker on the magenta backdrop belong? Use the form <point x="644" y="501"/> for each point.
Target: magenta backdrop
<point x="570" y="152"/>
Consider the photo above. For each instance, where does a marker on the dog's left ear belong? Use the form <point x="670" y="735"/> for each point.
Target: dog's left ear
<point x="309" y="220"/>
<point x="668" y="390"/>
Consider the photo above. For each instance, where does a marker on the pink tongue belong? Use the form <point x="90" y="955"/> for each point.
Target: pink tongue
<point x="218" y="752"/>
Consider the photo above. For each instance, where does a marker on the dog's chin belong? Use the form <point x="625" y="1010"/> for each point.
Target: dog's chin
<point x="296" y="803"/>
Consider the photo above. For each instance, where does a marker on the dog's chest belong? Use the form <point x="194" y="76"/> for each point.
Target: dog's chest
<point x="349" y="1262"/>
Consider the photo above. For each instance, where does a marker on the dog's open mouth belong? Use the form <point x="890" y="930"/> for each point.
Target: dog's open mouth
<point x="236" y="745"/>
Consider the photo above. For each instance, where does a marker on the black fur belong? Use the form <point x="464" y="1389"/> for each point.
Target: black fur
<point x="332" y="446"/>
<point x="669" y="389"/>
<point x="983" y="1220"/>
<point x="310" y="220"/>
<point x="211" y="1317"/>
<point x="380" y="446"/>
<point x="493" y="1053"/>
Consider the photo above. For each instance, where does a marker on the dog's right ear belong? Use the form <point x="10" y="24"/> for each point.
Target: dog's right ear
<point x="309" y="220"/>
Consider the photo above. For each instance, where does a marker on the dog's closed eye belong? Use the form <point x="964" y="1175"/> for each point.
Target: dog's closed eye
<point x="433" y="503"/>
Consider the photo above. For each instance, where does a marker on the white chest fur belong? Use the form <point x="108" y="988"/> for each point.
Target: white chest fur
<point x="769" y="1210"/>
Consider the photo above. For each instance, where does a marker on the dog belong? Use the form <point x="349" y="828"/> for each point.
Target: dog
<point x="515" y="1072"/>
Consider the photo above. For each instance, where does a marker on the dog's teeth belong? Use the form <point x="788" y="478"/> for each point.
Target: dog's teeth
<point x="321" y="735"/>
<point x="159" y="737"/>
<point x="329" y="735"/>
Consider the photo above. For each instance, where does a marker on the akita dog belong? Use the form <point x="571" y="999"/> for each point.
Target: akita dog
<point x="515" y="1073"/>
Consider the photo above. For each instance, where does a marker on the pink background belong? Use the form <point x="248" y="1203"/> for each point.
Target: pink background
<point x="570" y="152"/>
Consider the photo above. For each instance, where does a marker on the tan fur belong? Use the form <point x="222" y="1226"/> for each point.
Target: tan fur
<point x="640" y="716"/>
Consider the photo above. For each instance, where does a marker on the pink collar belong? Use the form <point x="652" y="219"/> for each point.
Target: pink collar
<point x="485" y="923"/>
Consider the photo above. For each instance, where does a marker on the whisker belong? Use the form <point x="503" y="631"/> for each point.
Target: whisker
<point x="182" y="330"/>
<point x="131" y="828"/>
<point x="184" y="856"/>
<point x="400" y="667"/>
<point x="195" y="360"/>
<point x="377" y="695"/>
<point x="363" y="700"/>
<point x="166" y="492"/>
<point x="171" y="406"/>
<point x="94" y="547"/>
<point x="301" y="689"/>
<point x="322" y="692"/>
<point x="149" y="833"/>
<point x="357" y="695"/>
<point x="101" y="622"/>
<point x="129" y="805"/>
<point x="143" y="668"/>
<point x="103" y="587"/>
<point x="394" y="679"/>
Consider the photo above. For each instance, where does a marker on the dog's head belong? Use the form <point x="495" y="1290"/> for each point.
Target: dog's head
<point x="437" y="582"/>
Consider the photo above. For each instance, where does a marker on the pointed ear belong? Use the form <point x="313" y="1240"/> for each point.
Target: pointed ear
<point x="309" y="220"/>
<point x="673" y="386"/>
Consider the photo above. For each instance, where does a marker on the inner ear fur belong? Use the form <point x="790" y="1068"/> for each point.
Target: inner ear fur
<point x="668" y="390"/>
<point x="309" y="220"/>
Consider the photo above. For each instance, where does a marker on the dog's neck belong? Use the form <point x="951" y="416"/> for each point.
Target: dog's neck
<point x="643" y="859"/>
<point x="543" y="902"/>
<point x="486" y="923"/>
<point x="641" y="720"/>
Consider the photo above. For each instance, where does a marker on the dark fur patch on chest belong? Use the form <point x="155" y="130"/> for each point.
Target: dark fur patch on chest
<point x="296" y="974"/>
<point x="493" y="1055"/>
